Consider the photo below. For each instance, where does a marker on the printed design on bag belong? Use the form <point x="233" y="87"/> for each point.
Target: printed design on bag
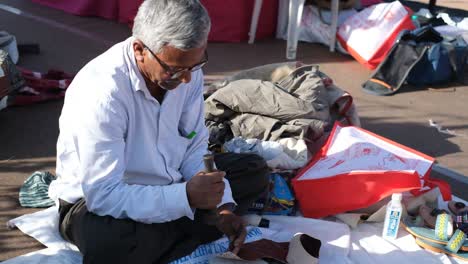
<point x="336" y="164"/>
<point x="361" y="150"/>
<point x="205" y="252"/>
<point x="366" y="151"/>
<point x="359" y="153"/>
<point x="390" y="15"/>
<point x="356" y="151"/>
<point x="399" y="158"/>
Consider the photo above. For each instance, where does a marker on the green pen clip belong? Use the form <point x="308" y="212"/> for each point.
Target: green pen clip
<point x="191" y="135"/>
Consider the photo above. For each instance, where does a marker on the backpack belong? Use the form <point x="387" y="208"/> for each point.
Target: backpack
<point x="420" y="57"/>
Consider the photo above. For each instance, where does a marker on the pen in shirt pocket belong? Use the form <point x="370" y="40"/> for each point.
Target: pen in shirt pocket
<point x="191" y="135"/>
<point x="184" y="134"/>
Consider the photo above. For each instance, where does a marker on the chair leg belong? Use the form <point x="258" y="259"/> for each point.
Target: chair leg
<point x="253" y="24"/>
<point x="334" y="24"/>
<point x="283" y="14"/>
<point x="295" y="15"/>
<point x="432" y="6"/>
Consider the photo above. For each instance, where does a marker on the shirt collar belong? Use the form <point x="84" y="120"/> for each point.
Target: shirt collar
<point x="136" y="79"/>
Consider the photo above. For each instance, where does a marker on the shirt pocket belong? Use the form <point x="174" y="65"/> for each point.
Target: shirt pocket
<point x="178" y="150"/>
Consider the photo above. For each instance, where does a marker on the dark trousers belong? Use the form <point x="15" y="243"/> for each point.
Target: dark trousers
<point x="104" y="239"/>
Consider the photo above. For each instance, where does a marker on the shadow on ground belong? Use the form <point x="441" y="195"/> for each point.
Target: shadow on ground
<point x="13" y="242"/>
<point x="417" y="139"/>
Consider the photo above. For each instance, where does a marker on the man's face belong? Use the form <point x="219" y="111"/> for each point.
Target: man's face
<point x="172" y="66"/>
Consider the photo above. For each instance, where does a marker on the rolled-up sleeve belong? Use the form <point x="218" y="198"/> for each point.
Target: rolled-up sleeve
<point x="99" y="139"/>
<point x="192" y="120"/>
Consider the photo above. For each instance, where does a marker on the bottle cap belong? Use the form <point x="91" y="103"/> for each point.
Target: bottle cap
<point x="396" y="196"/>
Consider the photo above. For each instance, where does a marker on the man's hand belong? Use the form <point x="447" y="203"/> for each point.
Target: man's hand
<point x="206" y="189"/>
<point x="233" y="227"/>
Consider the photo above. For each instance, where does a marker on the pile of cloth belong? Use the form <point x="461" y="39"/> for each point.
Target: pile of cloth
<point x="20" y="86"/>
<point x="294" y="107"/>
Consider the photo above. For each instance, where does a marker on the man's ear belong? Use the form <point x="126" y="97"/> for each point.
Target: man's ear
<point x="138" y="49"/>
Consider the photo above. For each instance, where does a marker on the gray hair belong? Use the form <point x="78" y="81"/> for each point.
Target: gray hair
<point x="182" y="24"/>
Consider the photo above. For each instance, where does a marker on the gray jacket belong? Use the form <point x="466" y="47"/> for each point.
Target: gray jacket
<point x="301" y="105"/>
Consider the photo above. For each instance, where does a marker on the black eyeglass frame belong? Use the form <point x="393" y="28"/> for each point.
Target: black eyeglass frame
<point x="176" y="73"/>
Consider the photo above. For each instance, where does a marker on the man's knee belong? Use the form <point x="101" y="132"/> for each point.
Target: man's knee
<point x="103" y="239"/>
<point x="109" y="252"/>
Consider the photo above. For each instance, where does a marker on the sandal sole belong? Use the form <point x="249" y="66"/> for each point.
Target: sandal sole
<point x="427" y="234"/>
<point x="440" y="249"/>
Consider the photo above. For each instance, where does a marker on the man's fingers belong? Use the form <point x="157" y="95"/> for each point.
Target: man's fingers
<point x="206" y="189"/>
<point x="218" y="191"/>
<point x="213" y="201"/>
<point x="219" y="187"/>
<point x="231" y="238"/>
<point x="239" y="240"/>
<point x="214" y="177"/>
<point x="242" y="234"/>
<point x="235" y="249"/>
<point x="237" y="226"/>
<point x="236" y="246"/>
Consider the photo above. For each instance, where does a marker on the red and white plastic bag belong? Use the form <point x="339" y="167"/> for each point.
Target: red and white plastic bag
<point x="370" y="34"/>
<point x="357" y="168"/>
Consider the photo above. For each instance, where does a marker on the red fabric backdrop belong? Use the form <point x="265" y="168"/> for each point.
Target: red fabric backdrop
<point x="230" y="18"/>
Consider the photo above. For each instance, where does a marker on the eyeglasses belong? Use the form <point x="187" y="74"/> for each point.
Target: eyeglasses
<point x="175" y="73"/>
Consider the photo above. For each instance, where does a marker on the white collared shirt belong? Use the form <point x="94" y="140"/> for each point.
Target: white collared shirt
<point x="126" y="154"/>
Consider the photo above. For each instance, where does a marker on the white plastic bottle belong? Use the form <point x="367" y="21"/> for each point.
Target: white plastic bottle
<point x="392" y="217"/>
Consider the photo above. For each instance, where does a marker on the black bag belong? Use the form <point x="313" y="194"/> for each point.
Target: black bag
<point x="420" y="57"/>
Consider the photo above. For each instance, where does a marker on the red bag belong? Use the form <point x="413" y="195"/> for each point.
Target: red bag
<point x="370" y="34"/>
<point x="356" y="169"/>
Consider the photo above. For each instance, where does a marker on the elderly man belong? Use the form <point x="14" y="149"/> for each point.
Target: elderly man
<point x="131" y="182"/>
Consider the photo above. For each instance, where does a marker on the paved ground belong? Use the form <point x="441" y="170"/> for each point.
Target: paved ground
<point x="28" y="134"/>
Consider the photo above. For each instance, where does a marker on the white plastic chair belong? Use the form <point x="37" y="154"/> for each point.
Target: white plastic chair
<point x="254" y="22"/>
<point x="296" y="7"/>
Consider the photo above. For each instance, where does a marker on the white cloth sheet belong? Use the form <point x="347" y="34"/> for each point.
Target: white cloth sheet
<point x="335" y="239"/>
<point x="339" y="244"/>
